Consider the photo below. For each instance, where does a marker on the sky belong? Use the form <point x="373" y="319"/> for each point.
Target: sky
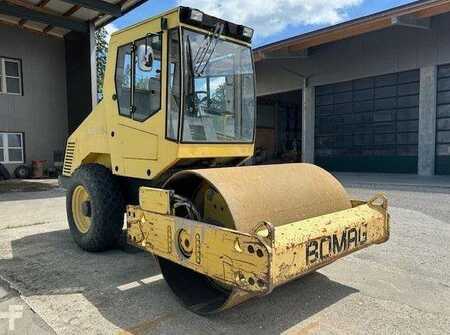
<point x="273" y="20"/>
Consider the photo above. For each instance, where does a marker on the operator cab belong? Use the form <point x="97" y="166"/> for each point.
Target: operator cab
<point x="210" y="79"/>
<point x="179" y="92"/>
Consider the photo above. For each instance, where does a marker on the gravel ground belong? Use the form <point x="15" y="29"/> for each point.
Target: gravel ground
<point x="400" y="287"/>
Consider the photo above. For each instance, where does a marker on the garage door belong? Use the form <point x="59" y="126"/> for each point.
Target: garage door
<point x="443" y="121"/>
<point x="369" y="125"/>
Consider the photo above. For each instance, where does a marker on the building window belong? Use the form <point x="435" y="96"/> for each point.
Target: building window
<point x="10" y="76"/>
<point x="11" y="148"/>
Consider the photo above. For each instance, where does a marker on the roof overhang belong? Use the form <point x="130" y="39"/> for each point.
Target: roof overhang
<point x="59" y="17"/>
<point x="414" y="14"/>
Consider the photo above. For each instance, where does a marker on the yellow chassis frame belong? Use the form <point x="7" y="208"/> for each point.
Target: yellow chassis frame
<point x="260" y="261"/>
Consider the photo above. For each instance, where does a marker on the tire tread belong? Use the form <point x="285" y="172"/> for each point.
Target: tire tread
<point x="108" y="208"/>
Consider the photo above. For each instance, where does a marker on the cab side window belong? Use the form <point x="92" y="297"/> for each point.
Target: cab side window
<point x="138" y="78"/>
<point x="147" y="77"/>
<point x="123" y="79"/>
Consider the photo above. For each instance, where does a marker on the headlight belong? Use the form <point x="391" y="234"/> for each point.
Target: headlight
<point x="247" y="32"/>
<point x="196" y="15"/>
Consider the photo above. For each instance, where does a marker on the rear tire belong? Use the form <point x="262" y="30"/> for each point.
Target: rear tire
<point x="22" y="172"/>
<point x="95" y="208"/>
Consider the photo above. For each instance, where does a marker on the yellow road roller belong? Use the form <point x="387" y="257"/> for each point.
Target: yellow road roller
<point x="166" y="150"/>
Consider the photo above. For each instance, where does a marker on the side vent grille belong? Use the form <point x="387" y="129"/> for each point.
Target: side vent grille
<point x="68" y="158"/>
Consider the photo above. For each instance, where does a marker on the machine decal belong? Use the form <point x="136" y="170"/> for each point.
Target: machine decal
<point x="333" y="245"/>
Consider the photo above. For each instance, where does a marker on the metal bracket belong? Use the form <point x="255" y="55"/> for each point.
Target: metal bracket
<point x="265" y="233"/>
<point x="375" y="201"/>
<point x="412" y="22"/>
<point x="290" y="55"/>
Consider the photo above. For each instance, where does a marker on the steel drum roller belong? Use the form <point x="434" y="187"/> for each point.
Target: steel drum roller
<point x="240" y="198"/>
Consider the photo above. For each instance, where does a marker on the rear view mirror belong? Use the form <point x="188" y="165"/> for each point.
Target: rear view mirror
<point x="145" y="57"/>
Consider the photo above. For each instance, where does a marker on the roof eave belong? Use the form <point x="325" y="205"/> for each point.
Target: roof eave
<point x="373" y="22"/>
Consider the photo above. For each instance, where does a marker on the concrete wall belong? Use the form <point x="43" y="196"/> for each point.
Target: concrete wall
<point x="390" y="50"/>
<point x="427" y="120"/>
<point x="41" y="113"/>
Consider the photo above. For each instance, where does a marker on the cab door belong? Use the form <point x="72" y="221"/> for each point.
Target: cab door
<point x="138" y="113"/>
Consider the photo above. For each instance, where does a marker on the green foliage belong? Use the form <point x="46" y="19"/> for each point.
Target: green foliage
<point x="218" y="99"/>
<point x="101" y="39"/>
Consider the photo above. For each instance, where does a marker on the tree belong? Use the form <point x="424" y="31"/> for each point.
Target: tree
<point x="101" y="41"/>
<point x="218" y="100"/>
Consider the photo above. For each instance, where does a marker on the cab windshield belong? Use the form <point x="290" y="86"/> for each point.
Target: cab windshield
<point x="219" y="92"/>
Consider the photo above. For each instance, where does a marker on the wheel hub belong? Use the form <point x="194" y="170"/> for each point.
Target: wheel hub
<point x="81" y="209"/>
<point x="86" y="208"/>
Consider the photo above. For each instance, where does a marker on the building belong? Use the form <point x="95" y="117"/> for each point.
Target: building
<point x="47" y="73"/>
<point x="369" y="95"/>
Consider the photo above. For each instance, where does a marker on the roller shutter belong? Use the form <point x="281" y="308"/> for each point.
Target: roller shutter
<point x="369" y="124"/>
<point x="443" y="121"/>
